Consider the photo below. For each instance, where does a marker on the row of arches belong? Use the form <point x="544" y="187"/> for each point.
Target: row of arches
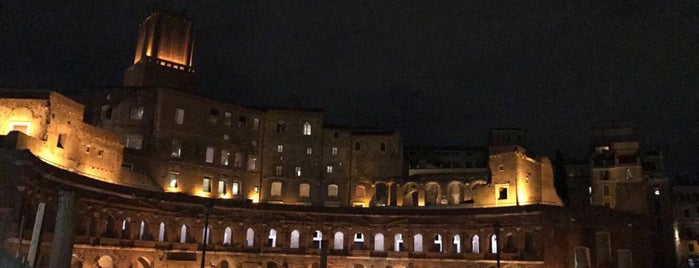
<point x="427" y="194"/>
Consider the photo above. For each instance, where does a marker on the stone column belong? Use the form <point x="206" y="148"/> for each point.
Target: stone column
<point x="64" y="232"/>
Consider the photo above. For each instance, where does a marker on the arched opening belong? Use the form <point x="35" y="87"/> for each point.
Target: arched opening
<point x="143" y="231"/>
<point x="358" y="266"/>
<point x="183" y="234"/>
<point x="410" y="197"/>
<point x="272" y="265"/>
<point x="161" y="232"/>
<point x="457" y="243"/>
<point x="432" y="195"/>
<point x="142" y="262"/>
<point x="475" y="244"/>
<point x="105" y="261"/>
<point x="223" y="264"/>
<point x="125" y="229"/>
<point x="294" y="239"/>
<point x="250" y="238"/>
<point x="206" y="234"/>
<point x="338" y="242"/>
<point x="378" y="242"/>
<point x="398" y="242"/>
<point x="393" y="194"/>
<point x="509" y="244"/>
<point x="528" y="243"/>
<point x="381" y="194"/>
<point x="437" y="243"/>
<point x="493" y="244"/>
<point x="317" y="237"/>
<point x="227" y="236"/>
<point x="417" y="243"/>
<point x="358" y="241"/>
<point x="272" y="239"/>
<point x="468" y="194"/>
<point x="454" y="190"/>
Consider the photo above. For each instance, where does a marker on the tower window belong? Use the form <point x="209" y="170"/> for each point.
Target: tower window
<point x="306" y="129"/>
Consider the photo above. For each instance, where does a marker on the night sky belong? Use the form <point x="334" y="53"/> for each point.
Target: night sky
<point x="441" y="72"/>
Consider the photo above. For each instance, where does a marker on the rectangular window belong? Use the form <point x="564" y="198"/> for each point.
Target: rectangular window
<point x="224" y="157"/>
<point x="329" y="169"/>
<point x="298" y="171"/>
<point x="690" y="247"/>
<point x="206" y="185"/>
<point x="276" y="189"/>
<point x="236" y="188"/>
<point x="221" y="187"/>
<point x="227" y="118"/>
<point x="307" y="129"/>
<point x="606" y="190"/>
<point x="502" y="193"/>
<point x="252" y="162"/>
<point x="255" y="124"/>
<point x="61" y="140"/>
<point x="304" y="190"/>
<point x="172" y="179"/>
<point x="238" y="160"/>
<point x="278" y="170"/>
<point x="176" y="148"/>
<point x="280" y="148"/>
<point x="133" y="141"/>
<point x="179" y="116"/>
<point x="332" y="190"/>
<point x="213" y="115"/>
<point x="309" y="150"/>
<point x="334" y="151"/>
<point x="209" y="155"/>
<point x="137" y="112"/>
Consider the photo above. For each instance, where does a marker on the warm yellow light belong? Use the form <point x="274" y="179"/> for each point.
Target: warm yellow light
<point x="21" y="126"/>
<point x="255" y="197"/>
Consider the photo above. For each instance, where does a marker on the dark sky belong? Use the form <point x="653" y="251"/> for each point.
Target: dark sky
<point x="441" y="72"/>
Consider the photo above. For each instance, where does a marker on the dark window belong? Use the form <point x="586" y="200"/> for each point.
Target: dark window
<point x="213" y="116"/>
<point x="336" y="135"/>
<point x="383" y="146"/>
<point x="356" y="146"/>
<point x="61" y="140"/>
<point x="241" y="121"/>
<point x="502" y="194"/>
<point x="686" y="213"/>
<point x="281" y="126"/>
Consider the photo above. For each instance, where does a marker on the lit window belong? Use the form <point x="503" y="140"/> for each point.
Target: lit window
<point x="334" y="151"/>
<point x="137" y="112"/>
<point x="213" y="115"/>
<point x="359" y="191"/>
<point x="280" y="148"/>
<point x="224" y="157"/>
<point x="176" y="148"/>
<point x="252" y="162"/>
<point x="236" y="188"/>
<point x="329" y="169"/>
<point x="309" y="150"/>
<point x="23" y="127"/>
<point x="278" y="170"/>
<point x="656" y="191"/>
<point x="304" y="190"/>
<point x="298" y="171"/>
<point x="225" y="137"/>
<point x="276" y="189"/>
<point x="179" y="116"/>
<point x="255" y="124"/>
<point x="221" y="187"/>
<point x="206" y="185"/>
<point x="132" y="141"/>
<point x="238" y="160"/>
<point x="227" y="118"/>
<point x="332" y="190"/>
<point x="172" y="177"/>
<point x="209" y="154"/>
<point x="306" y="129"/>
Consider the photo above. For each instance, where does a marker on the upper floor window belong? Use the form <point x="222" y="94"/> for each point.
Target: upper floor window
<point x="137" y="112"/>
<point x="176" y="148"/>
<point x="106" y="112"/>
<point x="236" y="188"/>
<point x="255" y="124"/>
<point x="227" y="118"/>
<point x="306" y="129"/>
<point x="132" y="141"/>
<point x="281" y="126"/>
<point x="278" y="170"/>
<point x="179" y="116"/>
<point x="221" y="187"/>
<point x="298" y="171"/>
<point x="209" y="155"/>
<point x="276" y="189"/>
<point x="206" y="185"/>
<point x="213" y="115"/>
<point x="241" y="121"/>
<point x="329" y="169"/>
<point x="309" y="150"/>
<point x="252" y="162"/>
<point x="280" y="148"/>
<point x="238" y="160"/>
<point x="224" y="157"/>
<point x="334" y="151"/>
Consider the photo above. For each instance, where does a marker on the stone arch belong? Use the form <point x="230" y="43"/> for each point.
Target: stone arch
<point x="105" y="261"/>
<point x="493" y="248"/>
<point x="438" y="243"/>
<point x="398" y="242"/>
<point x="357" y="265"/>
<point x="338" y="241"/>
<point x="206" y="234"/>
<point x="475" y="244"/>
<point x="143" y="231"/>
<point x="432" y="194"/>
<point x="358" y="241"/>
<point x="272" y="264"/>
<point x="393" y="194"/>
<point x="528" y="242"/>
<point x="380" y="194"/>
<point x="224" y="264"/>
<point x="295" y="237"/>
<point x="456" y="240"/>
<point x="125" y="229"/>
<point x="509" y="245"/>
<point x="410" y="195"/>
<point x="142" y="262"/>
<point x="378" y="242"/>
<point x="109" y="227"/>
<point x="454" y="193"/>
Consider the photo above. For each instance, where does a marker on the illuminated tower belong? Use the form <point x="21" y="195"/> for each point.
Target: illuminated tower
<point x="163" y="53"/>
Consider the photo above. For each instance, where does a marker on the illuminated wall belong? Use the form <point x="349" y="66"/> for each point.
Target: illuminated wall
<point x="166" y="37"/>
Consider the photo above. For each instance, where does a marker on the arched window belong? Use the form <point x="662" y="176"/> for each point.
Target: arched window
<point x="358" y="241"/>
<point x="142" y="230"/>
<point x="161" y="232"/>
<point x="437" y="243"/>
<point x="339" y="241"/>
<point x="183" y="234"/>
<point x="317" y="237"/>
<point x="294" y="239"/>
<point x="417" y="243"/>
<point x="306" y="129"/>
<point x="304" y="190"/>
<point x="509" y="244"/>
<point x="332" y="190"/>
<point x="206" y="234"/>
<point x="227" y="236"/>
<point x="272" y="238"/>
<point x="281" y="126"/>
<point x="493" y="244"/>
<point x="125" y="229"/>
<point x="359" y="191"/>
<point x="457" y="243"/>
<point x="250" y="238"/>
<point x="398" y="242"/>
<point x="475" y="244"/>
<point x="378" y="242"/>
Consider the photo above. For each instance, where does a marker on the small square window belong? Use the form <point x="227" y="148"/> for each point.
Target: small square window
<point x="225" y="137"/>
<point x="280" y="148"/>
<point x="329" y="169"/>
<point x="137" y="112"/>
